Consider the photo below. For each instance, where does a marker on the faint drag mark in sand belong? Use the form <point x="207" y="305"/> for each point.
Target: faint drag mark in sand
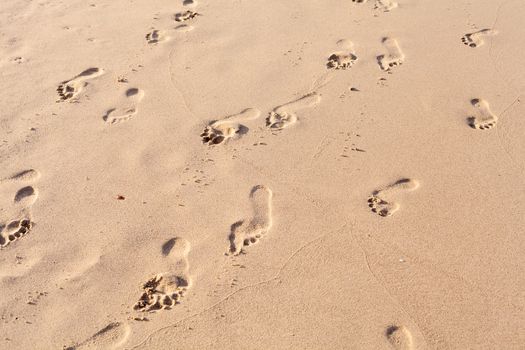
<point x="230" y="127"/>
<point x="484" y="118"/>
<point x="399" y="337"/>
<point x="385" y="5"/>
<point x="156" y="36"/>
<point x="185" y="16"/>
<point x="381" y="203"/>
<point x="476" y="39"/>
<point x="249" y="231"/>
<point x="15" y="216"/>
<point x="129" y="109"/>
<point x="165" y="289"/>
<point x="113" y="336"/>
<point x="70" y="89"/>
<point x="394" y="56"/>
<point x="344" y="58"/>
<point x="285" y="115"/>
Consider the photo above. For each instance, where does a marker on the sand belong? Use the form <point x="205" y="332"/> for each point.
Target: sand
<point x="262" y="174"/>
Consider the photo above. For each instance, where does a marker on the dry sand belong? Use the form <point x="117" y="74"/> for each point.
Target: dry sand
<point x="262" y="174"/>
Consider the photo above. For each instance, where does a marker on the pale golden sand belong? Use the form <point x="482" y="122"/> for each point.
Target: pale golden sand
<point x="262" y="174"/>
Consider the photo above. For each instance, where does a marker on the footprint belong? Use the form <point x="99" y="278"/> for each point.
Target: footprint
<point x="385" y="5"/>
<point x="399" y="337"/>
<point x="164" y="290"/>
<point x="249" y="231"/>
<point x="380" y="201"/>
<point x="285" y="115"/>
<point x="359" y="1"/>
<point x="476" y="39"/>
<point x="132" y="97"/>
<point x="70" y="89"/>
<point x="221" y="130"/>
<point x="113" y="336"/>
<point x="185" y="16"/>
<point x="342" y="59"/>
<point x="155" y="36"/>
<point x="189" y="3"/>
<point x="484" y="118"/>
<point x="394" y="56"/>
<point x="15" y="220"/>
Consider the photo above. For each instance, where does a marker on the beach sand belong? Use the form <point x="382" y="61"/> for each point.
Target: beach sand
<point x="334" y="174"/>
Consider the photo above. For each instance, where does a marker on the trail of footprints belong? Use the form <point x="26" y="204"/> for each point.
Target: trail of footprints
<point x="165" y="289"/>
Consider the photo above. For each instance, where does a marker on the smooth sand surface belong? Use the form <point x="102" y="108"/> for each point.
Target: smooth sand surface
<point x="335" y="174"/>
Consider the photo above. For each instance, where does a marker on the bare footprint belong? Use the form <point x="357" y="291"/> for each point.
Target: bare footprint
<point x="230" y="127"/>
<point x="165" y="289"/>
<point x="484" y="118"/>
<point x="249" y="231"/>
<point x="394" y="57"/>
<point x="130" y="101"/>
<point x="155" y="37"/>
<point x="399" y="337"/>
<point x="15" y="219"/>
<point x="381" y="200"/>
<point x="385" y="5"/>
<point x="476" y="39"/>
<point x="70" y="89"/>
<point x="343" y="59"/>
<point x="185" y="16"/>
<point x="113" y="336"/>
<point x="285" y="115"/>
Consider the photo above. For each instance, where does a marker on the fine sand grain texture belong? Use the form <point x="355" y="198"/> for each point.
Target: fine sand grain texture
<point x="195" y="174"/>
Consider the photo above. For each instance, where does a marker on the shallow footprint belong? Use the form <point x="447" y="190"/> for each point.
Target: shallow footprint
<point x="399" y="337"/>
<point x="285" y="115"/>
<point x="69" y="89"/>
<point x="132" y="97"/>
<point x="380" y="201"/>
<point x="385" y="5"/>
<point x="249" y="231"/>
<point x="155" y="37"/>
<point x="342" y="59"/>
<point x="484" y="118"/>
<point x="394" y="57"/>
<point x="220" y="131"/>
<point x="113" y="336"/>
<point x="165" y="289"/>
<point x="476" y="39"/>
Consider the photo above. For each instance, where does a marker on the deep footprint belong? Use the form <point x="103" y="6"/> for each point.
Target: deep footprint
<point x="394" y="57"/>
<point x="70" y="89"/>
<point x="380" y="201"/>
<point x="230" y="127"/>
<point x="166" y="289"/>
<point x="399" y="337"/>
<point x="285" y="115"/>
<point x="343" y="59"/>
<point x="476" y="39"/>
<point x="130" y="101"/>
<point x="247" y="232"/>
<point x="484" y="118"/>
